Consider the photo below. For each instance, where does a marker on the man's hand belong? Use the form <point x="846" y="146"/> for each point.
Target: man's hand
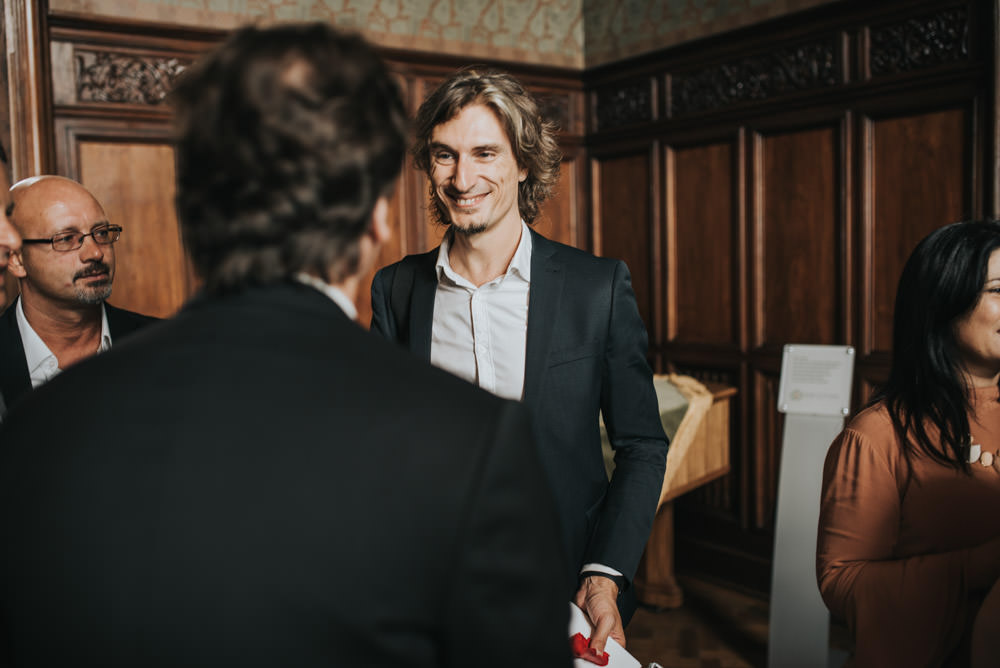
<point x="597" y="597"/>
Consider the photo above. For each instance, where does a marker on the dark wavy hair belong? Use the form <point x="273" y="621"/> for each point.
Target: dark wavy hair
<point x="531" y="137"/>
<point x="941" y="283"/>
<point x="285" y="139"/>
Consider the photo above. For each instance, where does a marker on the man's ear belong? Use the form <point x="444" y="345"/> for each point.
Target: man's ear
<point x="380" y="230"/>
<point x="16" y="265"/>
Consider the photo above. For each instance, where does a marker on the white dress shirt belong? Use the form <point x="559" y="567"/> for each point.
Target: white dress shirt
<point x="336" y="294"/>
<point x="42" y="363"/>
<point x="480" y="333"/>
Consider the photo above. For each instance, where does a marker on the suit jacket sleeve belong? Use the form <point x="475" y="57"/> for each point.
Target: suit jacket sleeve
<point x="383" y="322"/>
<point x="631" y="415"/>
<point x="508" y="603"/>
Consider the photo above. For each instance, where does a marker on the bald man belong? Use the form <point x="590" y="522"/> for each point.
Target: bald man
<point x="65" y="269"/>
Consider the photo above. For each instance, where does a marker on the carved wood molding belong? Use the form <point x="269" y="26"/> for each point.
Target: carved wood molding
<point x="556" y="107"/>
<point x="625" y="104"/>
<point x="125" y="78"/>
<point x="789" y="70"/>
<point x="920" y="42"/>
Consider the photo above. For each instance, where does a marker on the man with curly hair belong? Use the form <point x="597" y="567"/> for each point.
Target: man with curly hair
<point x="533" y="320"/>
<point x="259" y="481"/>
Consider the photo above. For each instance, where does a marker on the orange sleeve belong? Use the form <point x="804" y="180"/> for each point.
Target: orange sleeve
<point x="903" y="611"/>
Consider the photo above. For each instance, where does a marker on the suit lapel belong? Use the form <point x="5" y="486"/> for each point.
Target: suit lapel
<point x="118" y="324"/>
<point x="547" y="279"/>
<point x="422" y="306"/>
<point x="15" y="379"/>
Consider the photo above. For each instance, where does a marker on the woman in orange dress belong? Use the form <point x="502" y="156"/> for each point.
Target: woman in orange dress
<point x="909" y="532"/>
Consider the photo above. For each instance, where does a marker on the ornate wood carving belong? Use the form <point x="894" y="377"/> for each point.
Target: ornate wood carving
<point x="125" y="78"/>
<point x="793" y="69"/>
<point x="625" y="104"/>
<point x="555" y="107"/>
<point x="920" y="42"/>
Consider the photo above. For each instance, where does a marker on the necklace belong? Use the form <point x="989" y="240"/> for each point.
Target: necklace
<point x="984" y="458"/>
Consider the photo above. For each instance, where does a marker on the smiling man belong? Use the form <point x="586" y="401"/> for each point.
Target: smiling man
<point x="533" y="320"/>
<point x="65" y="270"/>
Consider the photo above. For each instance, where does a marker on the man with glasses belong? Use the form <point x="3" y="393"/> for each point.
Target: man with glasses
<point x="65" y="269"/>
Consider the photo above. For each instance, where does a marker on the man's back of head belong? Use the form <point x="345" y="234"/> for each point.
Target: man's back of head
<point x="286" y="140"/>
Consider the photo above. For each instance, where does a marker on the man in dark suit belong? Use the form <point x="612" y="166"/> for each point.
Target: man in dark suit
<point x="10" y="242"/>
<point x="574" y="349"/>
<point x="259" y="481"/>
<point x="65" y="270"/>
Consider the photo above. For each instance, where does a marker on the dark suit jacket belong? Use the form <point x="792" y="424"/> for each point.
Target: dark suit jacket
<point x="15" y="379"/>
<point x="261" y="482"/>
<point x="586" y="352"/>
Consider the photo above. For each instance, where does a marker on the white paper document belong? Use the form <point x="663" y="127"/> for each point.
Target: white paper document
<point x="617" y="656"/>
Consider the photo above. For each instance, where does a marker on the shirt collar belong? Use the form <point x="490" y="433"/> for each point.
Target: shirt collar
<point x="105" y="330"/>
<point x="36" y="353"/>
<point x="520" y="264"/>
<point x="334" y="293"/>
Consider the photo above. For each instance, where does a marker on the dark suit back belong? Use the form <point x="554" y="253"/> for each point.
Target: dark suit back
<point x="260" y="482"/>
<point x="15" y="378"/>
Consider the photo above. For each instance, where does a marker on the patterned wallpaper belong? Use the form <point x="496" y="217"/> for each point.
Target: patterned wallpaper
<point x="536" y="31"/>
<point x="563" y="33"/>
<point x="617" y="29"/>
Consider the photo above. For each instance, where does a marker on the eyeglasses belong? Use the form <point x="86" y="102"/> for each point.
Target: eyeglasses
<point x="69" y="241"/>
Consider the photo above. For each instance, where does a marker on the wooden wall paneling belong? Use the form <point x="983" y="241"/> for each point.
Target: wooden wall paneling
<point x="401" y="223"/>
<point x="112" y="134"/>
<point x="27" y="69"/>
<point x="559" y="218"/>
<point x="393" y="249"/>
<point x="6" y="86"/>
<point x="154" y="275"/>
<point x="624" y="225"/>
<point x="992" y="123"/>
<point x="818" y="97"/>
<point x="797" y="225"/>
<point x="117" y="74"/>
<point x="916" y="169"/>
<point x="720" y="499"/>
<point x="766" y="452"/>
<point x="703" y="244"/>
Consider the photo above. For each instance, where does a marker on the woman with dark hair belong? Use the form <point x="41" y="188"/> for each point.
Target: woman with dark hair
<point x="909" y="531"/>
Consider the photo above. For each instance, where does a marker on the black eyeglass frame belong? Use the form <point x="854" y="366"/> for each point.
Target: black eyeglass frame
<point x="115" y="232"/>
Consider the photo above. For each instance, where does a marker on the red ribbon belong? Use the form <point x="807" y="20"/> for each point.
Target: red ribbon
<point x="583" y="650"/>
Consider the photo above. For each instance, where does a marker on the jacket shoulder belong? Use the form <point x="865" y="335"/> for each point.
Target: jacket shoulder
<point x="126" y="321"/>
<point x="572" y="257"/>
<point x="412" y="262"/>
